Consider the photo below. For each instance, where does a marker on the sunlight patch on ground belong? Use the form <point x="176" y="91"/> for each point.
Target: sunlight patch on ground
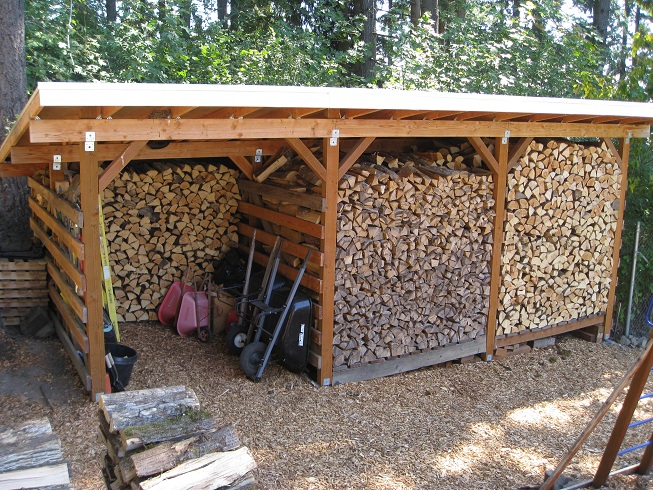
<point x="544" y="415"/>
<point x="460" y="460"/>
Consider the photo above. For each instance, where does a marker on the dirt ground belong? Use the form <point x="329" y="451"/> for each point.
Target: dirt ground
<point x="474" y="426"/>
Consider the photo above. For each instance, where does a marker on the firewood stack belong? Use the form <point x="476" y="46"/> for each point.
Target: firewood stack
<point x="162" y="220"/>
<point x="31" y="457"/>
<point x="412" y="263"/>
<point x="559" y="235"/>
<point x="159" y="438"/>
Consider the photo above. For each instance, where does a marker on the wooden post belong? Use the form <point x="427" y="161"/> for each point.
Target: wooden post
<point x="89" y="190"/>
<point x="624" y="153"/>
<point x="330" y="189"/>
<point x="500" y="183"/>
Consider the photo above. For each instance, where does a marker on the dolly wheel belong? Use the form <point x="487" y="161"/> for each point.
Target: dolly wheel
<point x="236" y="338"/>
<point x="204" y="334"/>
<point x="251" y="359"/>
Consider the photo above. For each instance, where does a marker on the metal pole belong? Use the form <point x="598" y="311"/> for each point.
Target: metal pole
<point x="632" y="280"/>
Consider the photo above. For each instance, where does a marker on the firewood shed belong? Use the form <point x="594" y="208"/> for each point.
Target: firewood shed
<point x="421" y="257"/>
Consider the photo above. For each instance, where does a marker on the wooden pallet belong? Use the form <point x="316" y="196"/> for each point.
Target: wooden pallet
<point x="22" y="287"/>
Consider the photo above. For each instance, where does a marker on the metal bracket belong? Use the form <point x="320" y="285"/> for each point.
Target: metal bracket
<point x="506" y="137"/>
<point x="327" y="381"/>
<point x="258" y="158"/>
<point x="628" y="137"/>
<point x="89" y="144"/>
<point x="335" y="134"/>
<point x="56" y="162"/>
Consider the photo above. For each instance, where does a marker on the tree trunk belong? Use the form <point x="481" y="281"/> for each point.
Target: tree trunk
<point x="367" y="8"/>
<point x="601" y="17"/>
<point x="624" y="41"/>
<point x="222" y="12"/>
<point x="112" y="12"/>
<point x="14" y="211"/>
<point x="516" y="9"/>
<point x="415" y="11"/>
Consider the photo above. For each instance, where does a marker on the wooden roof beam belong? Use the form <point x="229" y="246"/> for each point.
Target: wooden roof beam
<point x="181" y="129"/>
<point x="231" y="112"/>
<point x="284" y="113"/>
<point x="394" y="114"/>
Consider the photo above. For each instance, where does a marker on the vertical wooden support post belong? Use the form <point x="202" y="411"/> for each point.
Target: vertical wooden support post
<point x="500" y="184"/>
<point x="624" y="153"/>
<point x="88" y="184"/>
<point x="623" y="420"/>
<point x="330" y="189"/>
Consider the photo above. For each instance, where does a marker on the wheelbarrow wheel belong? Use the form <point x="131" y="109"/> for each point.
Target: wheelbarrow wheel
<point x="251" y="359"/>
<point x="236" y="338"/>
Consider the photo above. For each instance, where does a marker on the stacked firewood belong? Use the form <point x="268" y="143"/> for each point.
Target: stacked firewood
<point x="31" y="457"/>
<point x="166" y="221"/>
<point x="560" y="226"/>
<point x="159" y="438"/>
<point x="412" y="263"/>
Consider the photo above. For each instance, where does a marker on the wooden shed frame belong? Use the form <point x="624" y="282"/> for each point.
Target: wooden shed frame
<point x="93" y="123"/>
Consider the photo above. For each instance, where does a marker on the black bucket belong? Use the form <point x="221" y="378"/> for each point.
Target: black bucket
<point x="124" y="358"/>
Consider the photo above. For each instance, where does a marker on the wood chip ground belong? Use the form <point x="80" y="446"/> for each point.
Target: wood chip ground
<point x="473" y="426"/>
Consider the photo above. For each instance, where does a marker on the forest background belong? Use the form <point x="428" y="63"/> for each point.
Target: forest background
<point x="598" y="49"/>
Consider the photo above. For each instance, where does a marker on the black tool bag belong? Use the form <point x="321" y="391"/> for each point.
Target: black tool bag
<point x="230" y="270"/>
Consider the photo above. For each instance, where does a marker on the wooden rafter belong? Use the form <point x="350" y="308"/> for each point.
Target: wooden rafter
<point x="115" y="167"/>
<point x="307" y="156"/>
<point x="165" y="129"/>
<point x="31" y="110"/>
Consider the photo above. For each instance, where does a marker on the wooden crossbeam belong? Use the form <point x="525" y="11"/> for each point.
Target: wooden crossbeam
<point x="115" y="167"/>
<point x="517" y="151"/>
<point x="354" y="153"/>
<point x="307" y="156"/>
<point x="485" y="153"/>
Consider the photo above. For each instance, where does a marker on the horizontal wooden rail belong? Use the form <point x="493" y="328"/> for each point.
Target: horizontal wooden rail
<point x="68" y="294"/>
<point x="69" y="268"/>
<point x="72" y="353"/>
<point x="409" y="362"/>
<point x="559" y="329"/>
<point x="310" y="201"/>
<point x="296" y="224"/>
<point x="64" y="236"/>
<point x="37" y="265"/>
<point x="20" y="170"/>
<point x="75" y="216"/>
<point x="73" y="325"/>
<point x="311" y="282"/>
<point x="293" y="249"/>
<point x="41" y="156"/>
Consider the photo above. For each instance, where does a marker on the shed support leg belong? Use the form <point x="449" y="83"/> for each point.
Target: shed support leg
<point x="624" y="153"/>
<point x="330" y="189"/>
<point x="500" y="183"/>
<point x="88" y="183"/>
